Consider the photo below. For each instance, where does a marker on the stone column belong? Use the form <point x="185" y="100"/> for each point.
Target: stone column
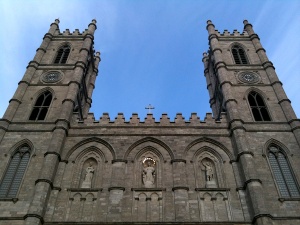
<point x="180" y="190"/>
<point x="116" y="191"/>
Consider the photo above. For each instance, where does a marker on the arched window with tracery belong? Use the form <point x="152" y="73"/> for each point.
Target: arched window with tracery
<point x="239" y="55"/>
<point x="13" y="176"/>
<point x="41" y="106"/>
<point x="283" y="174"/>
<point x="62" y="55"/>
<point x="258" y="107"/>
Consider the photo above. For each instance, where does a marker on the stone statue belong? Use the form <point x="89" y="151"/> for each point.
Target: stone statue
<point x="149" y="175"/>
<point x="209" y="172"/>
<point x="210" y="177"/>
<point x="89" y="173"/>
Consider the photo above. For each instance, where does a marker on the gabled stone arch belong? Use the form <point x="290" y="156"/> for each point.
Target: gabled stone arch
<point x="152" y="148"/>
<point x="92" y="150"/>
<point x="93" y="141"/>
<point x="96" y="158"/>
<point x="39" y="92"/>
<point x="286" y="151"/>
<point x="239" y="44"/>
<point x="129" y="152"/>
<point x="63" y="44"/>
<point x="155" y="155"/>
<point x="206" y="149"/>
<point x="215" y="161"/>
<point x="259" y="91"/>
<point x="222" y="151"/>
<point x="20" y="143"/>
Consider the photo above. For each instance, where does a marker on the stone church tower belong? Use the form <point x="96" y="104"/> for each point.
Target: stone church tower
<point x="60" y="165"/>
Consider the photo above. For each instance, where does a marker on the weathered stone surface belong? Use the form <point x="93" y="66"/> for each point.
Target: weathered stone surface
<point x="201" y="170"/>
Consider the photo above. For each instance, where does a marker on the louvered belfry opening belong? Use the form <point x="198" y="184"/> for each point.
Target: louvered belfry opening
<point x="41" y="106"/>
<point x="239" y="55"/>
<point x="62" y="55"/>
<point x="258" y="107"/>
<point x="14" y="174"/>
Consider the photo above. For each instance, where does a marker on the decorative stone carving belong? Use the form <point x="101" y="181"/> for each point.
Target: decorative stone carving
<point x="87" y="182"/>
<point x="51" y="77"/>
<point x="210" y="176"/>
<point x="249" y="77"/>
<point x="148" y="173"/>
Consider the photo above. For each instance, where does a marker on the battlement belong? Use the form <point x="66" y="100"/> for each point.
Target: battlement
<point x="179" y="120"/>
<point x="67" y="32"/>
<point x="235" y="33"/>
<point x="211" y="30"/>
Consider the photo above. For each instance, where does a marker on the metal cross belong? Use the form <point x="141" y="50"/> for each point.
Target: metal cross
<point x="149" y="107"/>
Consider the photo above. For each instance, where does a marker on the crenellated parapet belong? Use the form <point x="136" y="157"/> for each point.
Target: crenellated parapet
<point x="76" y="32"/>
<point x="149" y="120"/>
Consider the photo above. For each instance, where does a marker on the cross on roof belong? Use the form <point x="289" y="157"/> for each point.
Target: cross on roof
<point x="149" y="107"/>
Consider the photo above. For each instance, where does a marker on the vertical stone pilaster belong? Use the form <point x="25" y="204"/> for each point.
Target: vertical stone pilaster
<point x="116" y="191"/>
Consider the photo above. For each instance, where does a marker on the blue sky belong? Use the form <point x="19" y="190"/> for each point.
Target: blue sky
<point x="151" y="51"/>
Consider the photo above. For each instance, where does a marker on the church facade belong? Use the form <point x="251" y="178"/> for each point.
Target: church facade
<point x="59" y="165"/>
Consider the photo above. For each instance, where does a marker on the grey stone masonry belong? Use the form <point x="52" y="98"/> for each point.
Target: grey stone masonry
<point x="228" y="168"/>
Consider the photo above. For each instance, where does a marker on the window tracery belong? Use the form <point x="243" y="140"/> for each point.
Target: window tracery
<point x="62" y="55"/>
<point x="13" y="176"/>
<point x="258" y="107"/>
<point x="41" y="106"/>
<point x="239" y="55"/>
<point x="282" y="172"/>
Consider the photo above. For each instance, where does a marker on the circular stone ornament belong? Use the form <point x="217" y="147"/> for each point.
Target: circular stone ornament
<point x="52" y="77"/>
<point x="249" y="77"/>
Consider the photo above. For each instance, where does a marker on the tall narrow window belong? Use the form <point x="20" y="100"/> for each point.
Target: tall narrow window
<point x="239" y="55"/>
<point x="13" y="176"/>
<point x="285" y="180"/>
<point x="258" y="107"/>
<point x="62" y="55"/>
<point x="41" y="106"/>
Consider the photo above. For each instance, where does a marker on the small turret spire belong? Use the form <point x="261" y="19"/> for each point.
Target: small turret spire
<point x="210" y="27"/>
<point x="248" y="27"/>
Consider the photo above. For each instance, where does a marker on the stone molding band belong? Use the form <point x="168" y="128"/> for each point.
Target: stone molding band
<point x="46" y="181"/>
<point x="118" y="160"/>
<point x="116" y="188"/>
<point x="53" y="153"/>
<point x="34" y="215"/>
<point x="178" y="160"/>
<point x="180" y="188"/>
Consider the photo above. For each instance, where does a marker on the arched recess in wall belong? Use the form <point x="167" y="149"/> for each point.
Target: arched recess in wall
<point x="88" y="172"/>
<point x="86" y="167"/>
<point x="152" y="140"/>
<point x="144" y="152"/>
<point x="208" y="167"/>
<point x="210" y="159"/>
<point x="93" y="141"/>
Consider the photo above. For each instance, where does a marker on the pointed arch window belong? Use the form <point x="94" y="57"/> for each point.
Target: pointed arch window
<point x="62" y="55"/>
<point x="13" y="176"/>
<point x="283" y="174"/>
<point x="258" y="107"/>
<point x="239" y="55"/>
<point x="41" y="106"/>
